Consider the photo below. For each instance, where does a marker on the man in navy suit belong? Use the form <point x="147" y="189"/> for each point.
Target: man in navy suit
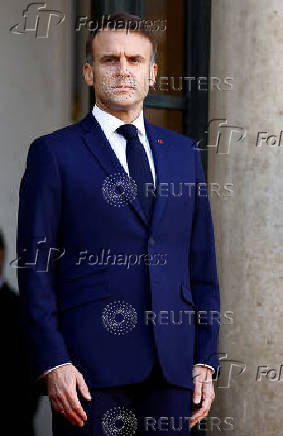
<point x="116" y="257"/>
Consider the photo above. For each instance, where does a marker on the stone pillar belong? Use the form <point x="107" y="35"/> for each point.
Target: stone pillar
<point x="247" y="45"/>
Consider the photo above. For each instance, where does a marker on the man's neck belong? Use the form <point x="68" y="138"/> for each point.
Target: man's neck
<point x="127" y="115"/>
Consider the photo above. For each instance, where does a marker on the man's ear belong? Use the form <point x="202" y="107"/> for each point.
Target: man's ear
<point x="93" y="74"/>
<point x="153" y="74"/>
<point x="88" y="74"/>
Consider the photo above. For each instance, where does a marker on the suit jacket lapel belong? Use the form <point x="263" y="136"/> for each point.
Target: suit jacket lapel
<point x="159" y="149"/>
<point x="96" y="141"/>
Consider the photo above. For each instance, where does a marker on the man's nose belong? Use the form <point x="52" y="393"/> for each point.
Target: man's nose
<point x="122" y="67"/>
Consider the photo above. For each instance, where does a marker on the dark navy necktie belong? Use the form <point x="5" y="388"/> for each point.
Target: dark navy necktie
<point x="138" y="165"/>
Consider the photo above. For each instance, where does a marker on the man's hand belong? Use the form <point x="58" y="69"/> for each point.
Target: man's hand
<point x="61" y="385"/>
<point x="203" y="393"/>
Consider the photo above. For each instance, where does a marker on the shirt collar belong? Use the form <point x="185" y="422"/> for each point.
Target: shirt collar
<point x="109" y="123"/>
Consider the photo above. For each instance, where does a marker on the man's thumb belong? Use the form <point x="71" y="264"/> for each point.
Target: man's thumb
<point x="83" y="387"/>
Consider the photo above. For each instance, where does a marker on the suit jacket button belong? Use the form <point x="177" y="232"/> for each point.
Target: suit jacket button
<point x="151" y="241"/>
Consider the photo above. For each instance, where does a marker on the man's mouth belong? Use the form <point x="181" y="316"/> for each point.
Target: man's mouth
<point x="123" y="87"/>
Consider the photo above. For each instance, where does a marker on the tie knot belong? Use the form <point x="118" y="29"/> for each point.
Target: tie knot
<point x="129" y="131"/>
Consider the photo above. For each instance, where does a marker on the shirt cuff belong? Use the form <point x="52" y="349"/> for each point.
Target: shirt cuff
<point x="206" y="366"/>
<point x="51" y="369"/>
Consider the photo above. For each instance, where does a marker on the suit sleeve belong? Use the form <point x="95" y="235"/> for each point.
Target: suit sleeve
<point x="37" y="235"/>
<point x="52" y="369"/>
<point x="203" y="274"/>
<point x="206" y="366"/>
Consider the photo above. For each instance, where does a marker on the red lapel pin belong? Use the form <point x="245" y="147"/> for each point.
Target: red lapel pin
<point x="160" y="141"/>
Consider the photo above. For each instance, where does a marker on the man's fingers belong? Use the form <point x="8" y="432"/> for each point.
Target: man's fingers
<point x="83" y="387"/>
<point x="198" y="415"/>
<point x="207" y="398"/>
<point x="203" y="393"/>
<point x="197" y="391"/>
<point x="75" y="406"/>
<point x="198" y="375"/>
<point x="207" y="394"/>
<point x="63" y="405"/>
<point x="62" y="391"/>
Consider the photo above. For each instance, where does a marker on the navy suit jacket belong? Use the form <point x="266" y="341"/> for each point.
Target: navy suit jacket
<point x="106" y="316"/>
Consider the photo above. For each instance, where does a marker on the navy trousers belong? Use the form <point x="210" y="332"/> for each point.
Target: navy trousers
<point x="151" y="407"/>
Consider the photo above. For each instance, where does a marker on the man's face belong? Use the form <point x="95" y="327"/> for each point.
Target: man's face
<point x="122" y="68"/>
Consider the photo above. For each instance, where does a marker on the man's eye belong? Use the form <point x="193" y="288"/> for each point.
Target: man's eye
<point x="134" y="60"/>
<point x="109" y="60"/>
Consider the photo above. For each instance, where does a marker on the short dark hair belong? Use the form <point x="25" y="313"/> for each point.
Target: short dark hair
<point x="123" y="20"/>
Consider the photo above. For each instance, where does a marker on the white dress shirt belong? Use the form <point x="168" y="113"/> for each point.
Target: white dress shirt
<point x="109" y="124"/>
